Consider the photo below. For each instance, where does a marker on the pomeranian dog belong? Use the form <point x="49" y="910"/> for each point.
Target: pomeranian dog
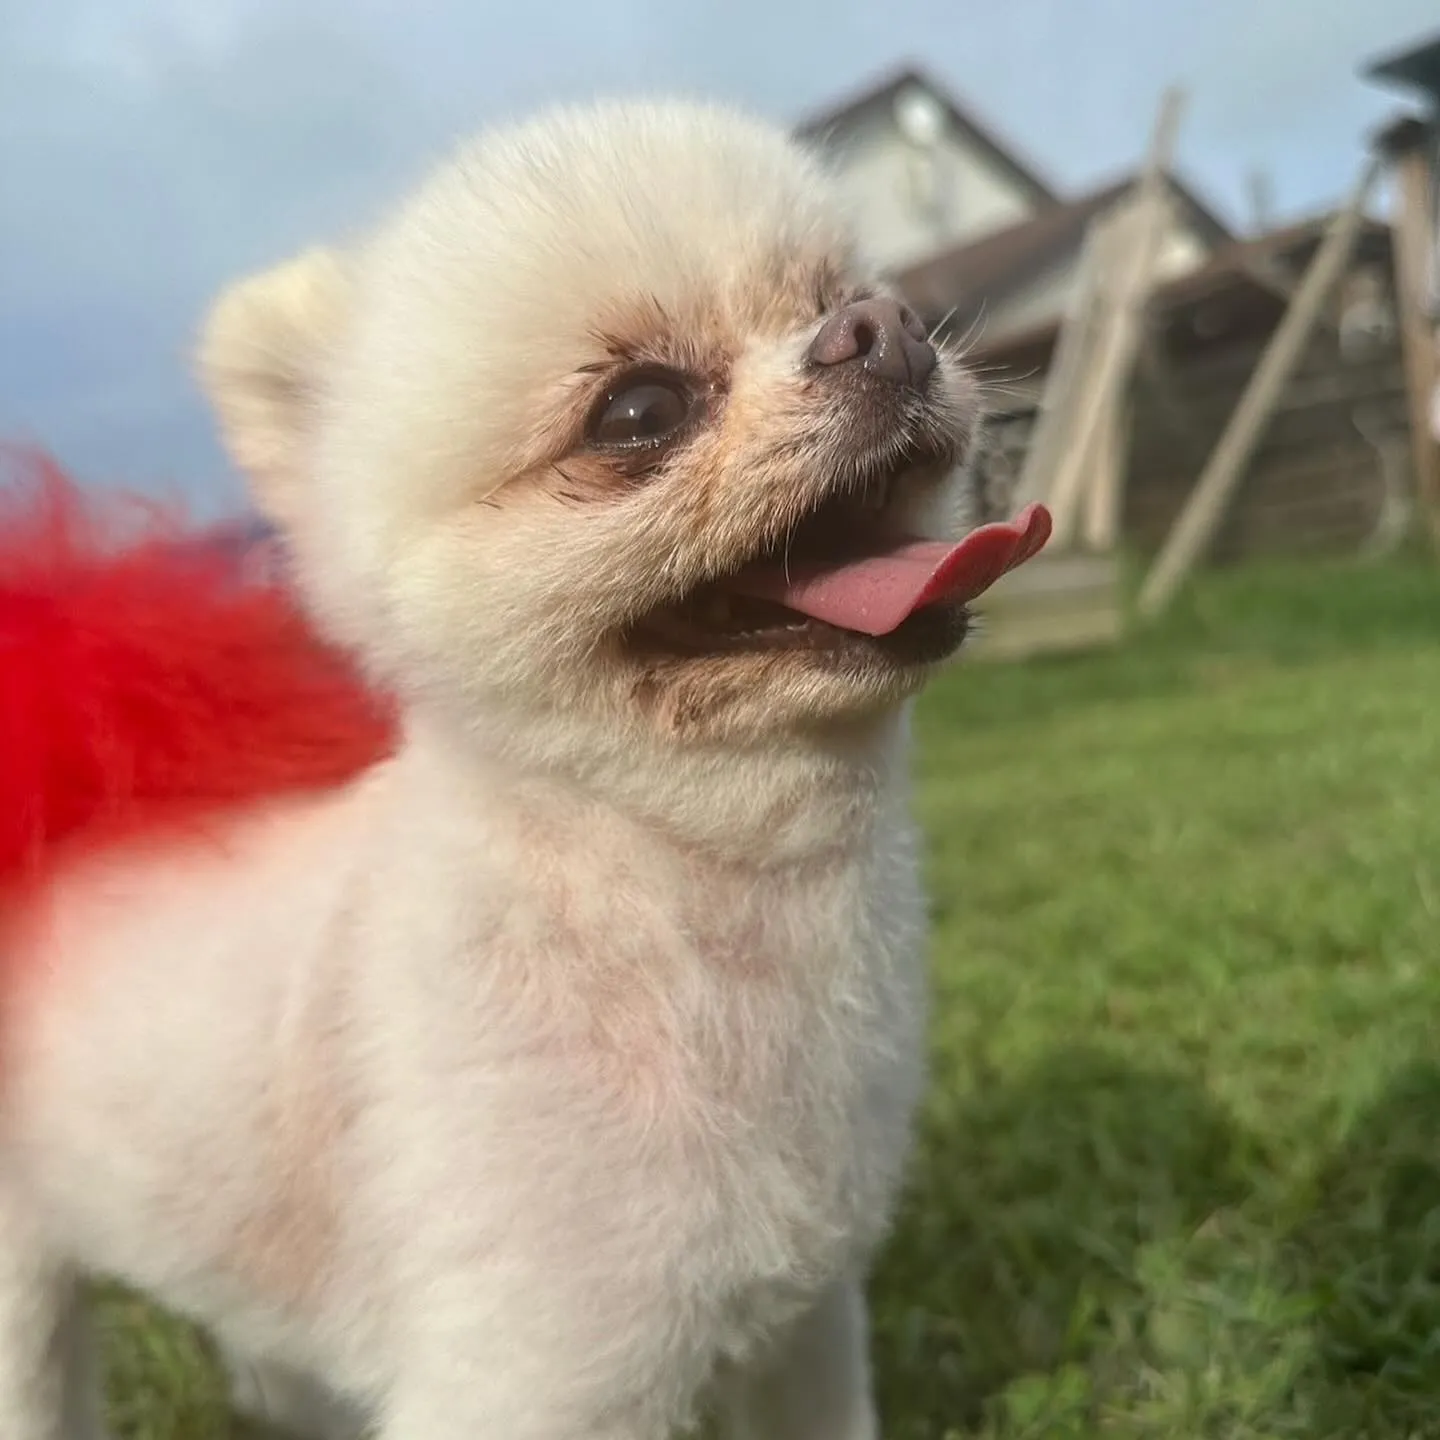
<point x="549" y="1073"/>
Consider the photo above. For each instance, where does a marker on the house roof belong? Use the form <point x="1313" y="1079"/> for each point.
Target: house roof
<point x="822" y="128"/>
<point x="964" y="278"/>
<point x="1235" y="271"/>
<point x="1417" y="67"/>
<point x="1290" y="245"/>
<point x="1403" y="135"/>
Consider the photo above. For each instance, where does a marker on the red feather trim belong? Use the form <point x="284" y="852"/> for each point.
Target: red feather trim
<point x="145" y="679"/>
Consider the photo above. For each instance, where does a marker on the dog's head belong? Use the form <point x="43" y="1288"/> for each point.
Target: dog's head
<point x="612" y="420"/>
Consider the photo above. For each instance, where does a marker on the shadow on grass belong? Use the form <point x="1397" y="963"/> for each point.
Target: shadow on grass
<point x="1368" y="1256"/>
<point x="1028" y="1207"/>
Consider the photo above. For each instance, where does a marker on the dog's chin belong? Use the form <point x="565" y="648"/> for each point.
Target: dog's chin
<point x="781" y="676"/>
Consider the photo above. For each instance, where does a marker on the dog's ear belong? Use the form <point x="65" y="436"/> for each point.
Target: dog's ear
<point x="262" y="356"/>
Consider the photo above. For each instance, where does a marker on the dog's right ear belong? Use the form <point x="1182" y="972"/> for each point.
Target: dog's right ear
<point x="262" y="356"/>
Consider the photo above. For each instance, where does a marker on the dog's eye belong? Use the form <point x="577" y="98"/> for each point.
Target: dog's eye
<point x="641" y="414"/>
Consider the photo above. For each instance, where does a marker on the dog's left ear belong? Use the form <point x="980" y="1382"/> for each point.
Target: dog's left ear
<point x="262" y="358"/>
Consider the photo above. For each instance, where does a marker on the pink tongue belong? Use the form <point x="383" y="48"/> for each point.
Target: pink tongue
<point x="875" y="593"/>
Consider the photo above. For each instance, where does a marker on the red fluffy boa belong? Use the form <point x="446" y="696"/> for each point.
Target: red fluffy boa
<point x="149" y="677"/>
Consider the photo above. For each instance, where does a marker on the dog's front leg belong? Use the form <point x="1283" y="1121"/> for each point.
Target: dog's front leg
<point x="288" y="1403"/>
<point x="83" y="1380"/>
<point x="515" y="1411"/>
<point x="547" y="1360"/>
<point x="48" y="1387"/>
<point x="816" y="1385"/>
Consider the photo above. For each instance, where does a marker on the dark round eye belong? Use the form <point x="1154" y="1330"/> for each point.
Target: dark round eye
<point x="646" y="411"/>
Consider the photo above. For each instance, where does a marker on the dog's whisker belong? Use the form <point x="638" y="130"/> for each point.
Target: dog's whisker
<point x="940" y="324"/>
<point x="973" y="332"/>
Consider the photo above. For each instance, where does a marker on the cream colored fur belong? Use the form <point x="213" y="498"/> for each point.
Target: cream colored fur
<point x="554" y="1079"/>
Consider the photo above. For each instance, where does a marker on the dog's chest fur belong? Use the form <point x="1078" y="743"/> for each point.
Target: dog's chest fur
<point x="695" y="1070"/>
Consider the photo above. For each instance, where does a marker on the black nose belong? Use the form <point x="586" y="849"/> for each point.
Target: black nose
<point x="882" y="336"/>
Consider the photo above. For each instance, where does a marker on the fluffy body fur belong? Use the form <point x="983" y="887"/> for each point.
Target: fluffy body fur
<point x="553" y="1076"/>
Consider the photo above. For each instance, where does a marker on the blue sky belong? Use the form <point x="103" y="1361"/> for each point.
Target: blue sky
<point x="151" y="149"/>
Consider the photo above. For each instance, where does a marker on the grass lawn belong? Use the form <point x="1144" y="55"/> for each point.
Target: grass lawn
<point x="1180" y="1172"/>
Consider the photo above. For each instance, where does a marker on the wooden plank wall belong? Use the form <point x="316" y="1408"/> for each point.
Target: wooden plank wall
<point x="1317" y="482"/>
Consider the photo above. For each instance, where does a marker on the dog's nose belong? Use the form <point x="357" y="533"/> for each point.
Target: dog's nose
<point x="882" y="336"/>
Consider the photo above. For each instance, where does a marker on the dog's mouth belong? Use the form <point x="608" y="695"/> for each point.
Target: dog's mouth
<point x="848" y="577"/>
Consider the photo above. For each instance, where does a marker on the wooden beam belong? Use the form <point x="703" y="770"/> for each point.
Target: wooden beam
<point x="1260" y="191"/>
<point x="1104" y="499"/>
<point x="1207" y="502"/>
<point x="1145" y="214"/>
<point x="1415" y="239"/>
<point x="1047" y="436"/>
<point x="1072" y="469"/>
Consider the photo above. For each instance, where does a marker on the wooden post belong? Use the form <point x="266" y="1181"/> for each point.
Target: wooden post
<point x="1205" y="508"/>
<point x="1109" y="375"/>
<point x="1414" y="241"/>
<point x="1072" y="345"/>
<point x="1099" y="336"/>
<point x="1105" y="496"/>
<point x="1071" y="471"/>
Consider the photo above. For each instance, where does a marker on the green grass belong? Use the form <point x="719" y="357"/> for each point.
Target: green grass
<point x="1179" y="1175"/>
<point x="1180" y="1172"/>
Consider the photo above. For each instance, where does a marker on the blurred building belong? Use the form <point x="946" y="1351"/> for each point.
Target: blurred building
<point x="969" y="227"/>
<point x="984" y="244"/>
